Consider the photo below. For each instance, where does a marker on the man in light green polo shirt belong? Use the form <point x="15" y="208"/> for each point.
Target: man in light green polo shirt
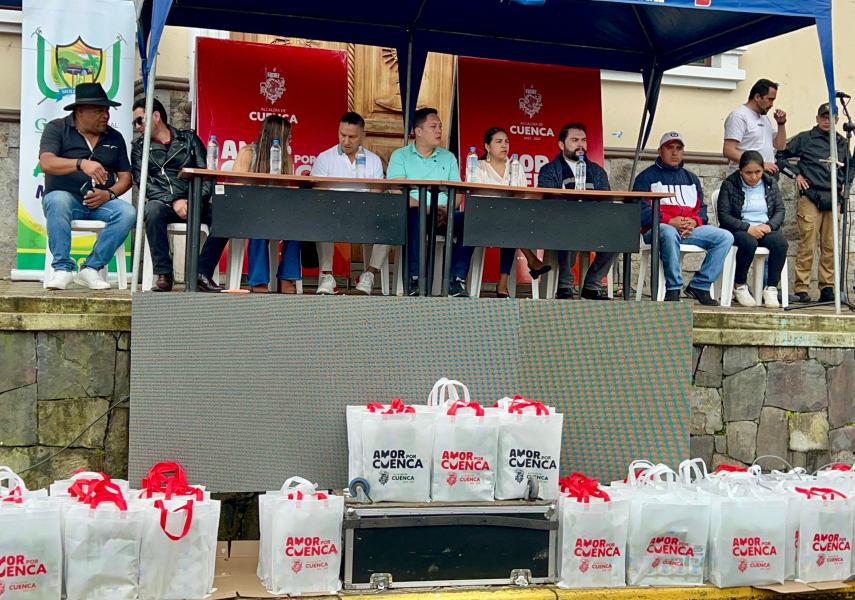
<point x="425" y="160"/>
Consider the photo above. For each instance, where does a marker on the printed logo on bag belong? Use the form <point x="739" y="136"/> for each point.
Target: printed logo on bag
<point x="530" y="459"/>
<point x="743" y="565"/>
<point x="830" y="542"/>
<point x="820" y="560"/>
<point x="384" y="477"/>
<point x="463" y="461"/>
<point x="452" y="478"/>
<point x="519" y="475"/>
<point x="396" y="459"/>
<point x="309" y="546"/>
<point x="753" y="546"/>
<point x="2" y="588"/>
<point x="297" y="566"/>
<point x="595" y="548"/>
<point x="20" y="566"/>
<point x="584" y="565"/>
<point x="669" y="545"/>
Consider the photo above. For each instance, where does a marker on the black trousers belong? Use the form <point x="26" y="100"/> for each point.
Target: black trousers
<point x="746" y="245"/>
<point x="157" y="216"/>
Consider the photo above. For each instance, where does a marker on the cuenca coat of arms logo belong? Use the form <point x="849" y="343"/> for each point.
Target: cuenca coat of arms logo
<point x="531" y="102"/>
<point x="273" y="86"/>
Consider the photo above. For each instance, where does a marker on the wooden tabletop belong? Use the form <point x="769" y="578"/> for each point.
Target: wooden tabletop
<point x="476" y="189"/>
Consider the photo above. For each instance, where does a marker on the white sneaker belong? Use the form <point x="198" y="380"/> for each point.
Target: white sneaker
<point x="91" y="279"/>
<point x="326" y="284"/>
<point x="744" y="297"/>
<point x="61" y="280"/>
<point x="366" y="283"/>
<point x="770" y="297"/>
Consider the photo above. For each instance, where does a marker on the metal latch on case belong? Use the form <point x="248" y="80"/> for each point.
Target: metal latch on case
<point x="382" y="581"/>
<point x="521" y="577"/>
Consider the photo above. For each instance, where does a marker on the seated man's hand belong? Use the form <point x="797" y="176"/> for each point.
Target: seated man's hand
<point x="96" y="198"/>
<point x="688" y="226"/>
<point x="676" y="222"/>
<point x="765" y="228"/>
<point x="180" y="207"/>
<point x="441" y="215"/>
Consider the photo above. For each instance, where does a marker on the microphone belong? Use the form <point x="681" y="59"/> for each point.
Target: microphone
<point x="842" y="95"/>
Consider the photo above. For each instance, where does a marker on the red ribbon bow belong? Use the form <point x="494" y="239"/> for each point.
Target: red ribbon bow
<point x="582" y="488"/>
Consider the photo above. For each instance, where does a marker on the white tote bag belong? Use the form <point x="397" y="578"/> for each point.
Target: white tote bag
<point x="464" y="454"/>
<point x="593" y="542"/>
<point x="30" y="550"/>
<point x="668" y="532"/>
<point x="825" y="536"/>
<point x="13" y="488"/>
<point x="291" y="487"/>
<point x="529" y="446"/>
<point x="102" y="547"/>
<point x="747" y="539"/>
<point x="397" y="448"/>
<point x="306" y="543"/>
<point x="178" y="539"/>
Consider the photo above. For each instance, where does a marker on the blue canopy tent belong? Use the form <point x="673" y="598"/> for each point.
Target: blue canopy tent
<point x="642" y="36"/>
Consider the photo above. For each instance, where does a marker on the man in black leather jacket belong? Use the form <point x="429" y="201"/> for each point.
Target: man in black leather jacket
<point x="172" y="150"/>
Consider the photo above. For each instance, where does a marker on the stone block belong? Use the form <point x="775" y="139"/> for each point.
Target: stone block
<point x="721" y="459"/>
<point x="808" y="431"/>
<point x="18" y="421"/>
<point x="76" y="364"/>
<point x="692" y="262"/>
<point x="705" y="410"/>
<point x="721" y="444"/>
<point x="842" y="439"/>
<point x="847" y="457"/>
<point x="841" y="393"/>
<point x="116" y="444"/>
<point x="61" y="420"/>
<point x="785" y="353"/>
<point x="702" y="446"/>
<point x="743" y="394"/>
<point x="719" y="171"/>
<point x="831" y="356"/>
<point x="18" y="366"/>
<point x="709" y="368"/>
<point x="696" y="356"/>
<point x="797" y="459"/>
<point x="773" y="433"/>
<point x="124" y="341"/>
<point x="742" y="441"/>
<point x="62" y="466"/>
<point x="123" y="376"/>
<point x="798" y="386"/>
<point x="738" y="358"/>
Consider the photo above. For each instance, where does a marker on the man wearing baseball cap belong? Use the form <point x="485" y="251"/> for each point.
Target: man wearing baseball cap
<point x="813" y="181"/>
<point x="86" y="167"/>
<point x="683" y="221"/>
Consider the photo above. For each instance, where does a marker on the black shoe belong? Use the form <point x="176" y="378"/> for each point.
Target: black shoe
<point x="502" y="295"/>
<point x="413" y="289"/>
<point x="457" y="288"/>
<point x="672" y="296"/>
<point x="535" y="273"/>
<point x="594" y="294"/>
<point x="564" y="294"/>
<point x="204" y="284"/>
<point x="800" y="297"/>
<point x="826" y="294"/>
<point x="702" y="296"/>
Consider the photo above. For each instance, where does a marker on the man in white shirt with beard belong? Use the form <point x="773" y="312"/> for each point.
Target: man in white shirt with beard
<point x="340" y="161"/>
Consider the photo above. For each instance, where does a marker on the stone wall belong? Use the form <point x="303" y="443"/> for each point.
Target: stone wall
<point x="792" y="402"/>
<point x="52" y="385"/>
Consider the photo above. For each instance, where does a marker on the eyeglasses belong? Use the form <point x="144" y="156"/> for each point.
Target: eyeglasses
<point x="138" y="121"/>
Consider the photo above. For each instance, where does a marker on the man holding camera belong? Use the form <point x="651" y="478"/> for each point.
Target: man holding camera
<point x="813" y="180"/>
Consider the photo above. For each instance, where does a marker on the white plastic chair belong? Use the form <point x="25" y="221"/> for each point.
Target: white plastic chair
<point x="95" y="227"/>
<point x="234" y="270"/>
<point x="644" y="266"/>
<point x="476" y="275"/>
<point x="728" y="278"/>
<point x="436" y="288"/>
<point x="172" y="230"/>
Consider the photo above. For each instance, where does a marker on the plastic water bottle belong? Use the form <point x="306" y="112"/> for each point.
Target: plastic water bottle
<point x="275" y="158"/>
<point x="471" y="165"/>
<point x="581" y="173"/>
<point x="212" y="158"/>
<point x="515" y="173"/>
<point x="360" y="163"/>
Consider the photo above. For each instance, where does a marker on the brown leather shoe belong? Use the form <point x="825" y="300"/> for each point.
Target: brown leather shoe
<point x="261" y="288"/>
<point x="207" y="285"/>
<point x="164" y="283"/>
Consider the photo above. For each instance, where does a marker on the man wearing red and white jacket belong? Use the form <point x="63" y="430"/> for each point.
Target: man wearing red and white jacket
<point x="683" y="221"/>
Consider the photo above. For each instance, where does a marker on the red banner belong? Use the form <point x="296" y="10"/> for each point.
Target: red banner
<point x="240" y="83"/>
<point x="532" y="103"/>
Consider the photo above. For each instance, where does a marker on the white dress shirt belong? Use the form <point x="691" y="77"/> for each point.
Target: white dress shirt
<point x="335" y="163"/>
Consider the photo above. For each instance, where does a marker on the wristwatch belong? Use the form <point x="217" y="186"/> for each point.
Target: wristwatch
<point x="113" y="195"/>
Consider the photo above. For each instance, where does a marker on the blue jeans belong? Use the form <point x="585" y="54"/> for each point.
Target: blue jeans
<point x="259" y="262"/>
<point x="61" y="208"/>
<point x="717" y="242"/>
<point x="461" y="255"/>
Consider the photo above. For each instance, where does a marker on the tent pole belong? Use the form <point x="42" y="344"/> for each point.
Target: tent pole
<point x="641" y="131"/>
<point x="409" y="89"/>
<point x="834" y="212"/>
<point x="138" y="238"/>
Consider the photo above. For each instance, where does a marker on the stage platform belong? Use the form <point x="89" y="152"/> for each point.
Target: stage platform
<point x="28" y="306"/>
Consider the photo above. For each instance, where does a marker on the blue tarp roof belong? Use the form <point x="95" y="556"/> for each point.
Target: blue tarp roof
<point x="646" y="36"/>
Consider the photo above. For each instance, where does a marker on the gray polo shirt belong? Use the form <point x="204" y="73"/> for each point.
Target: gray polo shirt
<point x="61" y="138"/>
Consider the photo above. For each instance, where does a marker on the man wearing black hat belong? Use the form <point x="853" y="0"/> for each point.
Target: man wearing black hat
<point x="813" y="180"/>
<point x="86" y="167"/>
